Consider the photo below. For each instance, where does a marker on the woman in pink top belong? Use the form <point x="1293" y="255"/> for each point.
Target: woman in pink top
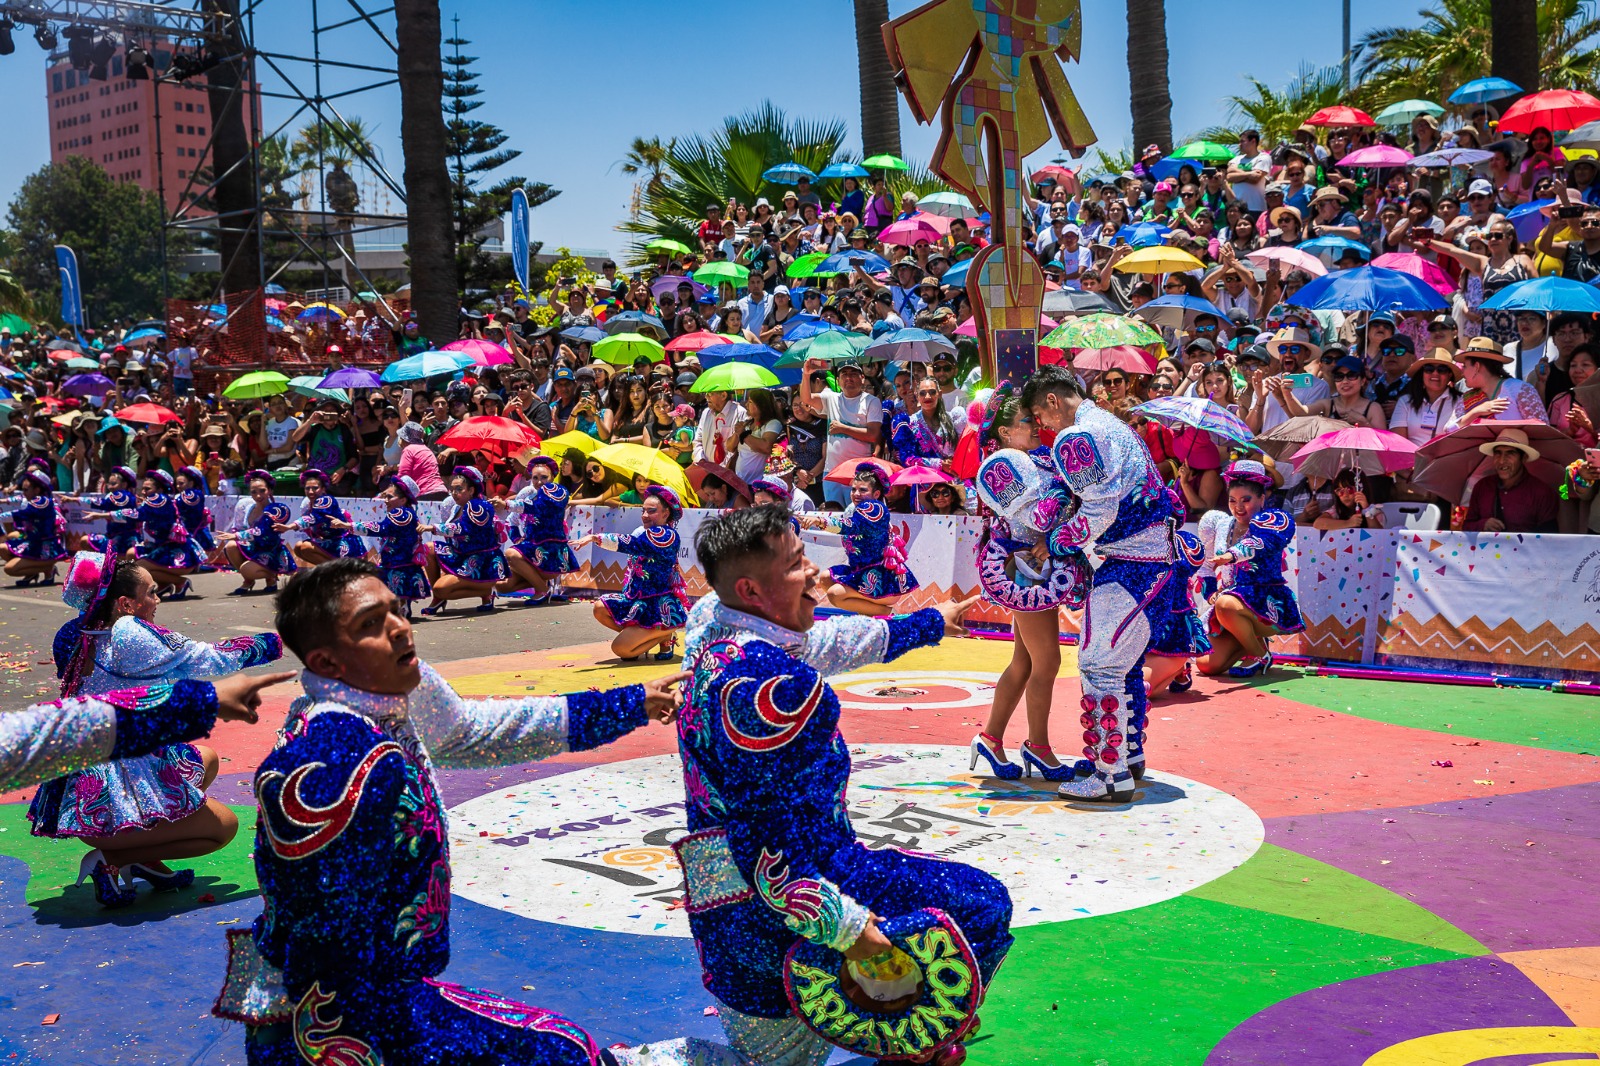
<point x="418" y="463"/>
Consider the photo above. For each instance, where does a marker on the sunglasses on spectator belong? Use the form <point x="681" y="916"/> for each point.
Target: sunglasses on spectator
<point x="1328" y="360"/>
<point x="1293" y="349"/>
<point x="1392" y="349"/>
<point x="1188" y="195"/>
<point x="1495" y="236"/>
<point x="1161" y="386"/>
<point x="1115" y="381"/>
<point x="1210" y="327"/>
<point x="1436" y="370"/>
<point x="927" y="392"/>
<point x="941" y="491"/>
<point x="1293" y="323"/>
<point x="1346" y="375"/>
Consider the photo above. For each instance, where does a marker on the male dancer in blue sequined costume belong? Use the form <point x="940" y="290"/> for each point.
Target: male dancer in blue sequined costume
<point x="771" y="855"/>
<point x="352" y="852"/>
<point x="1125" y="518"/>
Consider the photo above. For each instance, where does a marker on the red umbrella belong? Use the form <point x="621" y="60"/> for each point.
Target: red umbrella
<point x="1121" y="357"/>
<point x="492" y="434"/>
<point x="1554" y="109"/>
<point x="696" y="341"/>
<point x="1418" y="267"/>
<point x="968" y="453"/>
<point x="919" y="475"/>
<point x="1371" y="451"/>
<point x="484" y="353"/>
<point x="700" y="469"/>
<point x="1059" y="175"/>
<point x="1340" y="115"/>
<point x="1450" y="465"/>
<point x="149" y="413"/>
<point x="846" y="471"/>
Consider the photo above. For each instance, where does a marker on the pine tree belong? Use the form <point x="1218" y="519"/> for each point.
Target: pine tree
<point x="477" y="149"/>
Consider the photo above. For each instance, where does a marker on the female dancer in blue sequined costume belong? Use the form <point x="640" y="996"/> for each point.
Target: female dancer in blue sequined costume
<point x="468" y="557"/>
<point x="1245" y="546"/>
<point x="37" y="541"/>
<point x="164" y="546"/>
<point x="321" y="509"/>
<point x="138" y="812"/>
<point x="258" y="551"/>
<point x="400" y="551"/>
<point x="653" y="603"/>
<point x="353" y="851"/>
<point x="874" y="575"/>
<point x="121" y="534"/>
<point x="539" y="552"/>
<point x="192" y="510"/>
<point x="1177" y="634"/>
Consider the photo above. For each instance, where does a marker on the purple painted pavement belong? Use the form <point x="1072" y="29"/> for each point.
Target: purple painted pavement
<point x="1344" y="1024"/>
<point x="1518" y="872"/>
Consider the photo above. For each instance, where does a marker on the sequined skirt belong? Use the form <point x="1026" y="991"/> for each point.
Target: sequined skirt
<point x="548" y="556"/>
<point x="408" y="582"/>
<point x="42" y="550"/>
<point x="488" y="565"/>
<point x="340" y="546"/>
<point x="666" y="611"/>
<point x="173" y="556"/>
<point x="272" y="557"/>
<point x="122" y="795"/>
<point x="1175" y="627"/>
<point x="875" y="581"/>
<point x="119" y="544"/>
<point x="1272" y="602"/>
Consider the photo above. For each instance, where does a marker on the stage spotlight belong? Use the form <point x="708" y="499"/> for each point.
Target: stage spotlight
<point x="138" y="63"/>
<point x="7" y="45"/>
<point x="105" y="49"/>
<point x="80" y="46"/>
<point x="45" y="36"/>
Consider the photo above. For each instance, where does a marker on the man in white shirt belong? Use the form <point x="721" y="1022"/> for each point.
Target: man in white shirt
<point x="1294" y="350"/>
<point x="1249" y="172"/>
<point x="717" y="437"/>
<point x="756" y="304"/>
<point x="276" y="431"/>
<point x="855" y="421"/>
<point x="952" y="395"/>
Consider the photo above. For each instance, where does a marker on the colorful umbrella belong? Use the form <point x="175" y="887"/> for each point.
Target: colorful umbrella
<point x="1402" y="112"/>
<point x="843" y="170"/>
<point x="1369" y="288"/>
<point x="1453" y="157"/>
<point x="1291" y="258"/>
<point x="700" y="469"/>
<point x="584" y="334"/>
<point x="1529" y="218"/>
<point x="622" y="349"/>
<point x="1554" y="109"/>
<point x="483" y="352"/>
<point x="491" y="434"/>
<point x="1478" y="90"/>
<point x="1340" y="115"/>
<point x="834" y="345"/>
<point x="947" y="205"/>
<point x="667" y="244"/>
<point x="1371" y="451"/>
<point x="919" y="475"/>
<point x="712" y="273"/>
<point x="1172" y="309"/>
<point x="320" y="312"/>
<point x="1420" y="268"/>
<point x="150" y="414"/>
<point x="78" y="362"/>
<point x="1074" y="302"/>
<point x="1334" y="247"/>
<point x="845" y="472"/>
<point x="668" y="283"/>
<point x="805" y="265"/>
<point x="1285" y="438"/>
<point x="1377" y="155"/>
<point x="350" y="377"/>
<point x="1121" y="357"/>
<point x="1059" y="175"/>
<point x="576" y="441"/>
<point x="1198" y="412"/>
<point x="255" y="385"/>
<point x="138" y="335"/>
<point x="426" y="365"/>
<point x="969" y="328"/>
<point x="734" y="377"/>
<point x="956" y="276"/>
<point x="1102" y="331"/>
<point x="1585" y="136"/>
<point x="310" y="385"/>
<point x="87" y="385"/>
<point x="1157" y="260"/>
<point x="844" y="262"/>
<point x="1205" y="152"/>
<point x="15" y="323"/>
<point x="884" y="162"/>
<point x="650" y="463"/>
<point x="1451" y="464"/>
<point x="637" y="322"/>
<point x="908" y="231"/>
<point x="698" y="340"/>
<point x="910" y="343"/>
<point x="1144" y="234"/>
<point x="788" y="174"/>
<point x="1546" y="295"/>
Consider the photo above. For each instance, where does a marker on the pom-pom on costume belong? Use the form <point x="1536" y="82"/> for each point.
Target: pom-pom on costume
<point x="316" y="522"/>
<point x="1125" y="517"/>
<point x="653" y="595"/>
<point x="1027" y="500"/>
<point x="352" y="854"/>
<point x="539" y="528"/>
<point x="263" y="545"/>
<point x="193" y="512"/>
<point x="771" y="859"/>
<point x="400" y="553"/>
<point x="39" y="522"/>
<point x="1256" y="580"/>
<point x="875" y="560"/>
<point x="470" y="544"/>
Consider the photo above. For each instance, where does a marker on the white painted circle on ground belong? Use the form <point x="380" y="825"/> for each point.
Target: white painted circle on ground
<point x="592" y="848"/>
<point x="928" y="689"/>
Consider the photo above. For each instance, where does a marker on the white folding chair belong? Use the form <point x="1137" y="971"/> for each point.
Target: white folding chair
<point x="1424" y="516"/>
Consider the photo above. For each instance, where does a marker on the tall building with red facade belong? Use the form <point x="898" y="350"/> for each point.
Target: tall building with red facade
<point x="114" y="122"/>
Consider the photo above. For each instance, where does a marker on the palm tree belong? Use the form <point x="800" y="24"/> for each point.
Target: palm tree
<point x="649" y="159"/>
<point x="13" y="297"/>
<point x="1149" y="95"/>
<point x="880" y="100"/>
<point x="332" y="142"/>
<point x="1278" y="113"/>
<point x="429" y="213"/>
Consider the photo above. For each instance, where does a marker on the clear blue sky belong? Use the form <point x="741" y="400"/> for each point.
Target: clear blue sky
<point x="573" y="81"/>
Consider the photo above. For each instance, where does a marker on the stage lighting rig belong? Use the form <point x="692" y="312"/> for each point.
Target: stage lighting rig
<point x="138" y="63"/>
<point x="46" y="37"/>
<point x="105" y="49"/>
<point x="80" y="46"/>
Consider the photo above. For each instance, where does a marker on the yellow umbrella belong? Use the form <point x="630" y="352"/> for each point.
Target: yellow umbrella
<point x="1158" y="259"/>
<point x="574" y="441"/>
<point x="637" y="459"/>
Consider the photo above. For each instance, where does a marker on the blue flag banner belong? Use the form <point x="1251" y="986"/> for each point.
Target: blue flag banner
<point x="519" y="236"/>
<point x="71" y="288"/>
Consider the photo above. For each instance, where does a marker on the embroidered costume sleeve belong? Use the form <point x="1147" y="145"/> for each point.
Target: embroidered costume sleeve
<point x="137" y="648"/>
<point x="493" y="732"/>
<point x="1083" y="464"/>
<point x="660" y="542"/>
<point x="1269" y="534"/>
<point x="50" y="740"/>
<point x="843" y="643"/>
<point x="393" y="521"/>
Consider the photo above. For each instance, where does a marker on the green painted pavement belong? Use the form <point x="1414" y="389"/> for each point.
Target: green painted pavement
<point x="1554" y="720"/>
<point x="228" y="874"/>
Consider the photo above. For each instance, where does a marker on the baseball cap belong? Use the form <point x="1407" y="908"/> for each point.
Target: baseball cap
<point x="850" y="365"/>
<point x="1202" y="344"/>
<point x="687" y="379"/>
<point x="561" y="373"/>
<point x="1256" y="353"/>
<point x="1480" y="187"/>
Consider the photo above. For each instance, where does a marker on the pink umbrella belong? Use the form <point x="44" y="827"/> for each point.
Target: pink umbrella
<point x="1122" y="357"/>
<point x="1293" y="258"/>
<point x="1371" y="451"/>
<point x="1450" y="465"/>
<point x="1377" y="155"/>
<point x="908" y="231"/>
<point x="938" y="222"/>
<point x="920" y="475"/>
<point x="484" y="353"/>
<point x="1418" y="267"/>
<point x="969" y="328"/>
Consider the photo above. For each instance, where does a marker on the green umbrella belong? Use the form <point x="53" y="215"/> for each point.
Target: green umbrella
<point x="78" y="362"/>
<point x="802" y="266"/>
<point x="1101" y="330"/>
<point x="1205" y="151"/>
<point x="1401" y="114"/>
<point x="884" y="162"/>
<point x="621" y="349"/>
<point x="307" y="386"/>
<point x="834" y="346"/>
<point x="15" y="323"/>
<point x="667" y="244"/>
<point x="712" y="273"/>
<point x="256" y="384"/>
<point x="732" y="377"/>
<point x="368" y="295"/>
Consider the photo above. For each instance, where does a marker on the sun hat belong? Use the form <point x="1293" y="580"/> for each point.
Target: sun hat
<point x="1252" y="471"/>
<point x="1483" y="348"/>
<point x="1286" y="209"/>
<point x="1510" y="438"/>
<point x="1293" y="335"/>
<point x="1326" y="194"/>
<point x="1438" y="357"/>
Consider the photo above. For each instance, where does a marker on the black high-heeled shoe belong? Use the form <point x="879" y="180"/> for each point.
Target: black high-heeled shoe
<point x="161" y="882"/>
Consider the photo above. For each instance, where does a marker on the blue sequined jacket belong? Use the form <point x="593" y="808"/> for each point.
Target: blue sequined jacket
<point x="472" y="528"/>
<point x="158" y="514"/>
<point x="866" y="531"/>
<point x="119" y="529"/>
<point x="192" y="510"/>
<point x="1124" y="510"/>
<point x="653" y="568"/>
<point x="41" y="526"/>
<point x="541" y="514"/>
<point x="400" y="543"/>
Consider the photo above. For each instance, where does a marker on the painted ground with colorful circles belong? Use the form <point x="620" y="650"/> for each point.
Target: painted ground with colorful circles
<point x="1323" y="872"/>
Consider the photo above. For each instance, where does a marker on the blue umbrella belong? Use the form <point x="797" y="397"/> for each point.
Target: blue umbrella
<point x="759" y="354"/>
<point x="1145" y="234"/>
<point x="1170" y="310"/>
<point x="844" y="170"/>
<point x="584" y="334"/>
<point x="803" y="326"/>
<point x="1369" y="288"/>
<point x="1527" y="219"/>
<point x="636" y="322"/>
<point x="956" y="276"/>
<point x="842" y="262"/>
<point x="788" y="174"/>
<point x="1334" y="247"/>
<point x="274" y="289"/>
<point x="1546" y="295"/>
<point x="1478" y="90"/>
<point x="143" y="334"/>
<point x="910" y="343"/>
<point x="426" y="365"/>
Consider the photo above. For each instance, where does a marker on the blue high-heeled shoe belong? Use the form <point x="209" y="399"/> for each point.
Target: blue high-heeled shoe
<point x="1251" y="667"/>
<point x="983" y="744"/>
<point x="161" y="882"/>
<point x="432" y="609"/>
<point x="1185" y="679"/>
<point x="107" y="892"/>
<point x="667" y="650"/>
<point x="1032" y="762"/>
<point x="485" y="608"/>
